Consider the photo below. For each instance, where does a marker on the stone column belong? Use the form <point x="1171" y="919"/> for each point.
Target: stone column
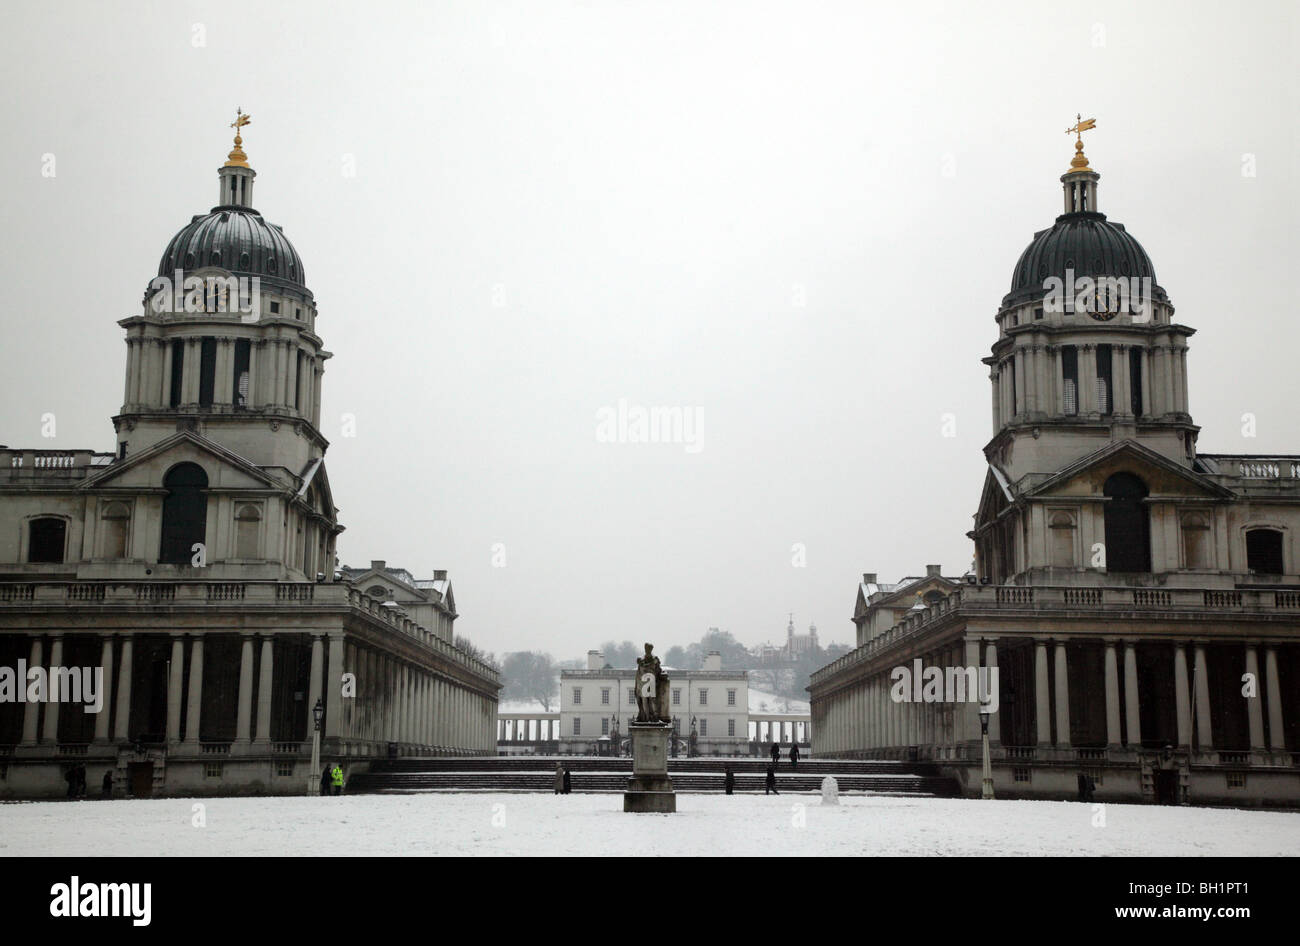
<point x="1021" y="405"/>
<point x="106" y="709"/>
<point x="194" y="710"/>
<point x="1042" y="696"/>
<point x="1131" y="705"/>
<point x="1254" y="708"/>
<point x="31" y="710"/>
<point x="1171" y="404"/>
<point x="1112" y="696"/>
<point x="51" y="730"/>
<point x="1272" y="686"/>
<point x="122" y="716"/>
<point x="222" y="386"/>
<point x="991" y="662"/>
<point x="1062" y="697"/>
<point x="128" y="389"/>
<point x="244" y="717"/>
<point x="175" y="684"/>
<point x="334" y="689"/>
<point x="164" y="392"/>
<point x="1181" y="696"/>
<point x="315" y="681"/>
<point x="1204" y="729"/>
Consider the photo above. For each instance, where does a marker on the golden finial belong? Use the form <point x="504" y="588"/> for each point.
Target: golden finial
<point x="237" y="158"/>
<point x="1080" y="161"/>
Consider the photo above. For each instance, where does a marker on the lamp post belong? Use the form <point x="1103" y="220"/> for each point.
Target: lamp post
<point x="313" y="781"/>
<point x="987" y="791"/>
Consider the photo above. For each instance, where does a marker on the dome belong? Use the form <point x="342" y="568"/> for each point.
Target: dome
<point x="239" y="240"/>
<point x="1083" y="241"/>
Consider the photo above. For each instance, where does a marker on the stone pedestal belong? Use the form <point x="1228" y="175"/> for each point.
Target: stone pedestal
<point x="650" y="788"/>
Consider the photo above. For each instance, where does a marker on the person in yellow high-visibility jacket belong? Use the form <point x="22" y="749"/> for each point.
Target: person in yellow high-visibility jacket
<point x="336" y="779"/>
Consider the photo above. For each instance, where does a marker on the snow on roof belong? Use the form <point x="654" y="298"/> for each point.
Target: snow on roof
<point x="761" y="701"/>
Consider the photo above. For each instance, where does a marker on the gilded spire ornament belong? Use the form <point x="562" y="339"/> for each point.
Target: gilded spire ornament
<point x="1080" y="161"/>
<point x="237" y="158"/>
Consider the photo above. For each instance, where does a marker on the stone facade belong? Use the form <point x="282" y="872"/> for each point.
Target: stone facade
<point x="1140" y="600"/>
<point x="595" y="701"/>
<point x="195" y="564"/>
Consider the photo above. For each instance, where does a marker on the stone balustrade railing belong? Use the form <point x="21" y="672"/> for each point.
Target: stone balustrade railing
<point x="974" y="598"/>
<point x="261" y="593"/>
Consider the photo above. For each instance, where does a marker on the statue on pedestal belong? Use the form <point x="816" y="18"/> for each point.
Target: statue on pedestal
<point x="651" y="689"/>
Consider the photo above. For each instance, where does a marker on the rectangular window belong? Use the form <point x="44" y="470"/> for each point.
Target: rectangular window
<point x="1021" y="775"/>
<point x="677" y="696"/>
<point x="297" y="388"/>
<point x="704" y="697"/>
<point x="284" y="768"/>
<point x="1105" y="380"/>
<point x="731" y="727"/>
<point x="731" y="697"/>
<point x="577" y="725"/>
<point x="275" y="307"/>
<point x="704" y="727"/>
<point x="604" y="726"/>
<point x="178" y="372"/>
<point x="207" y="371"/>
<point x="631" y="697"/>
<point x="577" y="696"/>
<point x="1069" y="380"/>
<point x="1011" y="376"/>
<point x="212" y="770"/>
<point x="239" y="377"/>
<point x="1236" y="779"/>
<point x="1038" y="314"/>
<point x="1135" y="380"/>
<point x="604" y="696"/>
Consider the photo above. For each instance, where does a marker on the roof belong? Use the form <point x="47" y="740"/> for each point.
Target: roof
<point x="240" y="241"/>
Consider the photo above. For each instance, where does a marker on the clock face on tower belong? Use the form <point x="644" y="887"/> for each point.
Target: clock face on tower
<point x="1103" y="315"/>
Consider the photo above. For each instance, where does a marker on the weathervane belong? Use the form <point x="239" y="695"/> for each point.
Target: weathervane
<point x="237" y="158"/>
<point x="1080" y="161"/>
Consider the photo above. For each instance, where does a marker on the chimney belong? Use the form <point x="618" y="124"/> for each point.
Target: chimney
<point x="595" y="659"/>
<point x="932" y="571"/>
<point x="440" y="574"/>
<point x="377" y="566"/>
<point x="868" y="578"/>
<point x="712" y="661"/>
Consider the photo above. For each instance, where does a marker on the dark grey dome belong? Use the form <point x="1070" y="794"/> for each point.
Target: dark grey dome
<point x="1085" y="242"/>
<point x="239" y="240"/>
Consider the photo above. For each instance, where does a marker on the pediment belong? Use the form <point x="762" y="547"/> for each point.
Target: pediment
<point x="1162" y="476"/>
<point x="146" y="469"/>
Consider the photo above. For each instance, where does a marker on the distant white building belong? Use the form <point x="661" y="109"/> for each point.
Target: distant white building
<point x="596" y="702"/>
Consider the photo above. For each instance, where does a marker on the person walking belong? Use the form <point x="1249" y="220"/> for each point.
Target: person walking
<point x="559" y="778"/>
<point x="794" y="755"/>
<point x="326" y="775"/>
<point x="776" y="751"/>
<point x="729" y="781"/>
<point x="106" y="787"/>
<point x="336" y="779"/>
<point x="568" y="781"/>
<point x="770" y="787"/>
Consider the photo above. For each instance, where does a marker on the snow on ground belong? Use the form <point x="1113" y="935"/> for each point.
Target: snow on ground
<point x="532" y="824"/>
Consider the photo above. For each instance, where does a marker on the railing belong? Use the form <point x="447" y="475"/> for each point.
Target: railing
<point x="75" y="748"/>
<point x="973" y="599"/>
<point x="214" y="748"/>
<point x="1021" y="752"/>
<point x="286" y="748"/>
<point x="1090" y="755"/>
<point x="1234" y="758"/>
<point x="196" y="593"/>
<point x="17" y="592"/>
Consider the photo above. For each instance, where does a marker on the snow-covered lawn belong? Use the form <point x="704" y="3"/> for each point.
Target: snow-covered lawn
<point x="528" y="824"/>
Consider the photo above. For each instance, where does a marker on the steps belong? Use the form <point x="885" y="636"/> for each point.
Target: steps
<point x="592" y="774"/>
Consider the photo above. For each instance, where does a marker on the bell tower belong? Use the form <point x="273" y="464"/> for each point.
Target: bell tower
<point x="1087" y="350"/>
<point x="225" y="344"/>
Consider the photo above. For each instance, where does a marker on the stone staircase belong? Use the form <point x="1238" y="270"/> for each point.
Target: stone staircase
<point x="592" y="774"/>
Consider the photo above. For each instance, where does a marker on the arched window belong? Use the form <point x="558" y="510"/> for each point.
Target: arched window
<point x="1264" y="551"/>
<point x="45" y="539"/>
<point x="248" y="518"/>
<point x="933" y="597"/>
<point x="185" y="513"/>
<point x="116" y="522"/>
<point x="1128" y="528"/>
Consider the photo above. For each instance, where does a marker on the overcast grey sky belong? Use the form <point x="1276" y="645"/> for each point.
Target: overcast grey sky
<point x="795" y="219"/>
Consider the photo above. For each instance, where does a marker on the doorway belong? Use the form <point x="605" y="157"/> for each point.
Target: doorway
<point x="1166" y="785"/>
<point x="140" y="778"/>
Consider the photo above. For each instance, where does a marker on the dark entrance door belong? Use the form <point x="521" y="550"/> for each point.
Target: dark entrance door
<point x="140" y="775"/>
<point x="1128" y="529"/>
<point x="1166" y="786"/>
